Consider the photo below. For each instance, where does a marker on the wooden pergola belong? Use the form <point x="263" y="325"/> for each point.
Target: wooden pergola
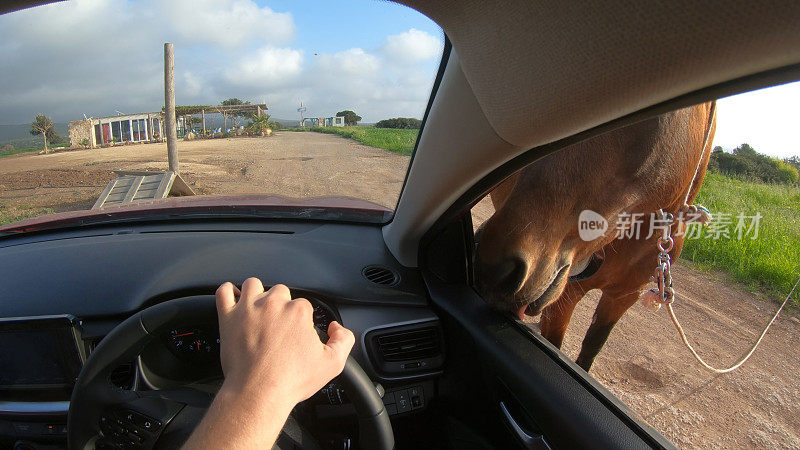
<point x="225" y="110"/>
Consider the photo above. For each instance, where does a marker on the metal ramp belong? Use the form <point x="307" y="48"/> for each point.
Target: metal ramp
<point x="133" y="186"/>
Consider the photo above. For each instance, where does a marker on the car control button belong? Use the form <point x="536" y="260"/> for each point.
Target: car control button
<point x="417" y="397"/>
<point x="140" y="420"/>
<point x="402" y="401"/>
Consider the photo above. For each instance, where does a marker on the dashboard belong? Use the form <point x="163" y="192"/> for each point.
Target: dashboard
<point x="97" y="277"/>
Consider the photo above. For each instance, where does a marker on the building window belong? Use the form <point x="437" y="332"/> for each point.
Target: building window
<point x="142" y="130"/>
<point x="155" y="129"/>
<point x="126" y="130"/>
<point x="116" y="133"/>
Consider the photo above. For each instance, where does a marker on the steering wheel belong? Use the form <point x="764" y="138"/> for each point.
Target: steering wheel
<point x="102" y="415"/>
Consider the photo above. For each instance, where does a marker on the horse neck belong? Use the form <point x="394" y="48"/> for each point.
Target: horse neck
<point x="675" y="165"/>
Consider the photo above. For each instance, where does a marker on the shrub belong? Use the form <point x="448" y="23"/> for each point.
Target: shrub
<point x="260" y="125"/>
<point x="403" y="123"/>
<point x="787" y="173"/>
<point x="747" y="164"/>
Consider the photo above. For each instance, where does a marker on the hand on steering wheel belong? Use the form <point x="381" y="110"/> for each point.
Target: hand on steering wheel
<point x="268" y="339"/>
<point x="272" y="359"/>
<point x="102" y="415"/>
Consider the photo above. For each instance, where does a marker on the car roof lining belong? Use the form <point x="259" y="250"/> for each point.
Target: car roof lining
<point x="569" y="66"/>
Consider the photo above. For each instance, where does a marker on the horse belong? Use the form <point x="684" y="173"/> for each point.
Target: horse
<point x="531" y="257"/>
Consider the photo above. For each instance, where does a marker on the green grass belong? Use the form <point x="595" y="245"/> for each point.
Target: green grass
<point x="15" y="215"/>
<point x="15" y="151"/>
<point x="771" y="262"/>
<point x="394" y="140"/>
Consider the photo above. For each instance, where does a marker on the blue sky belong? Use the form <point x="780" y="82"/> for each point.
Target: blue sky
<point x="95" y="57"/>
<point x="332" y="26"/>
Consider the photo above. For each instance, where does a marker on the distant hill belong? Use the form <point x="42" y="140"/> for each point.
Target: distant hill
<point x="19" y="135"/>
<point x="288" y="123"/>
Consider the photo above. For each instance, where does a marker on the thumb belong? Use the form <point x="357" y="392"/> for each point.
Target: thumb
<point x="340" y="342"/>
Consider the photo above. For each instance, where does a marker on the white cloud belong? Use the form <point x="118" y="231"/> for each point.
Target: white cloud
<point x="352" y="62"/>
<point x="266" y="67"/>
<point x="95" y="57"/>
<point x="412" y="45"/>
<point x="227" y="22"/>
<point x="192" y="84"/>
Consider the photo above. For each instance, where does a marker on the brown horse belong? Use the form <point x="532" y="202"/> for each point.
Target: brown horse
<point x="531" y="257"/>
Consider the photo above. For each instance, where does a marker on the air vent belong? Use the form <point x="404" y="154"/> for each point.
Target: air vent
<point x="123" y="376"/>
<point x="409" y="345"/>
<point x="406" y="349"/>
<point x="381" y="275"/>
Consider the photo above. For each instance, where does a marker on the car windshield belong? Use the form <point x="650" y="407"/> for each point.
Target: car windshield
<point x="305" y="100"/>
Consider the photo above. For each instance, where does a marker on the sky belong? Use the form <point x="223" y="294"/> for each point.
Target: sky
<point x="767" y="119"/>
<point x="100" y="57"/>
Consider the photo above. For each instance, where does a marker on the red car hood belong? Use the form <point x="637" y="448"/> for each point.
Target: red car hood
<point x="319" y="208"/>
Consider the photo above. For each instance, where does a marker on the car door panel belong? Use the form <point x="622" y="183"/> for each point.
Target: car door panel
<point x="568" y="408"/>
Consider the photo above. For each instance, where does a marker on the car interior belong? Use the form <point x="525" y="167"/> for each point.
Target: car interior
<point x="110" y="323"/>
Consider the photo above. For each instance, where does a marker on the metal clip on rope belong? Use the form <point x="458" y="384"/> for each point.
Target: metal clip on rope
<point x="663" y="272"/>
<point x="666" y="295"/>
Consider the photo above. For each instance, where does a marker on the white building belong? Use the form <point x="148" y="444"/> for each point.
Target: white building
<point x="143" y="127"/>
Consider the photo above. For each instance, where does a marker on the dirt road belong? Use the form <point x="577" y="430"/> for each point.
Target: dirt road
<point x="289" y="163"/>
<point x="644" y="363"/>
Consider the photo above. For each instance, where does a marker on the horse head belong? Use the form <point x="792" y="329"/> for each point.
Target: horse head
<point x="550" y="226"/>
<point x="554" y="217"/>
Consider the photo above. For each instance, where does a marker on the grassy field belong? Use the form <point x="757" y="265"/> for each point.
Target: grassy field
<point x="397" y="141"/>
<point x="771" y="262"/>
<point x="10" y="216"/>
<point x="15" y="151"/>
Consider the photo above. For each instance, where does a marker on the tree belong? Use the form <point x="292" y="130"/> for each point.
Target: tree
<point x="350" y="117"/>
<point x="234" y="115"/>
<point x="745" y="150"/>
<point x="794" y="161"/>
<point x="787" y="173"/>
<point x="43" y="125"/>
<point x="745" y="162"/>
<point x="716" y="155"/>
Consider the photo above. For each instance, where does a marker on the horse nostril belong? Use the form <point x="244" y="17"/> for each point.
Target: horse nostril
<point x="505" y="278"/>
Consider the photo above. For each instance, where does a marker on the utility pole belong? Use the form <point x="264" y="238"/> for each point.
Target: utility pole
<point x="169" y="106"/>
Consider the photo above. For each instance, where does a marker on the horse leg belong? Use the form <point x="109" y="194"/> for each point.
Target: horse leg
<point x="556" y="316"/>
<point x="608" y="312"/>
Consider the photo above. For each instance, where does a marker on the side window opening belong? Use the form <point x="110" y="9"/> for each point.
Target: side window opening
<point x="571" y="250"/>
